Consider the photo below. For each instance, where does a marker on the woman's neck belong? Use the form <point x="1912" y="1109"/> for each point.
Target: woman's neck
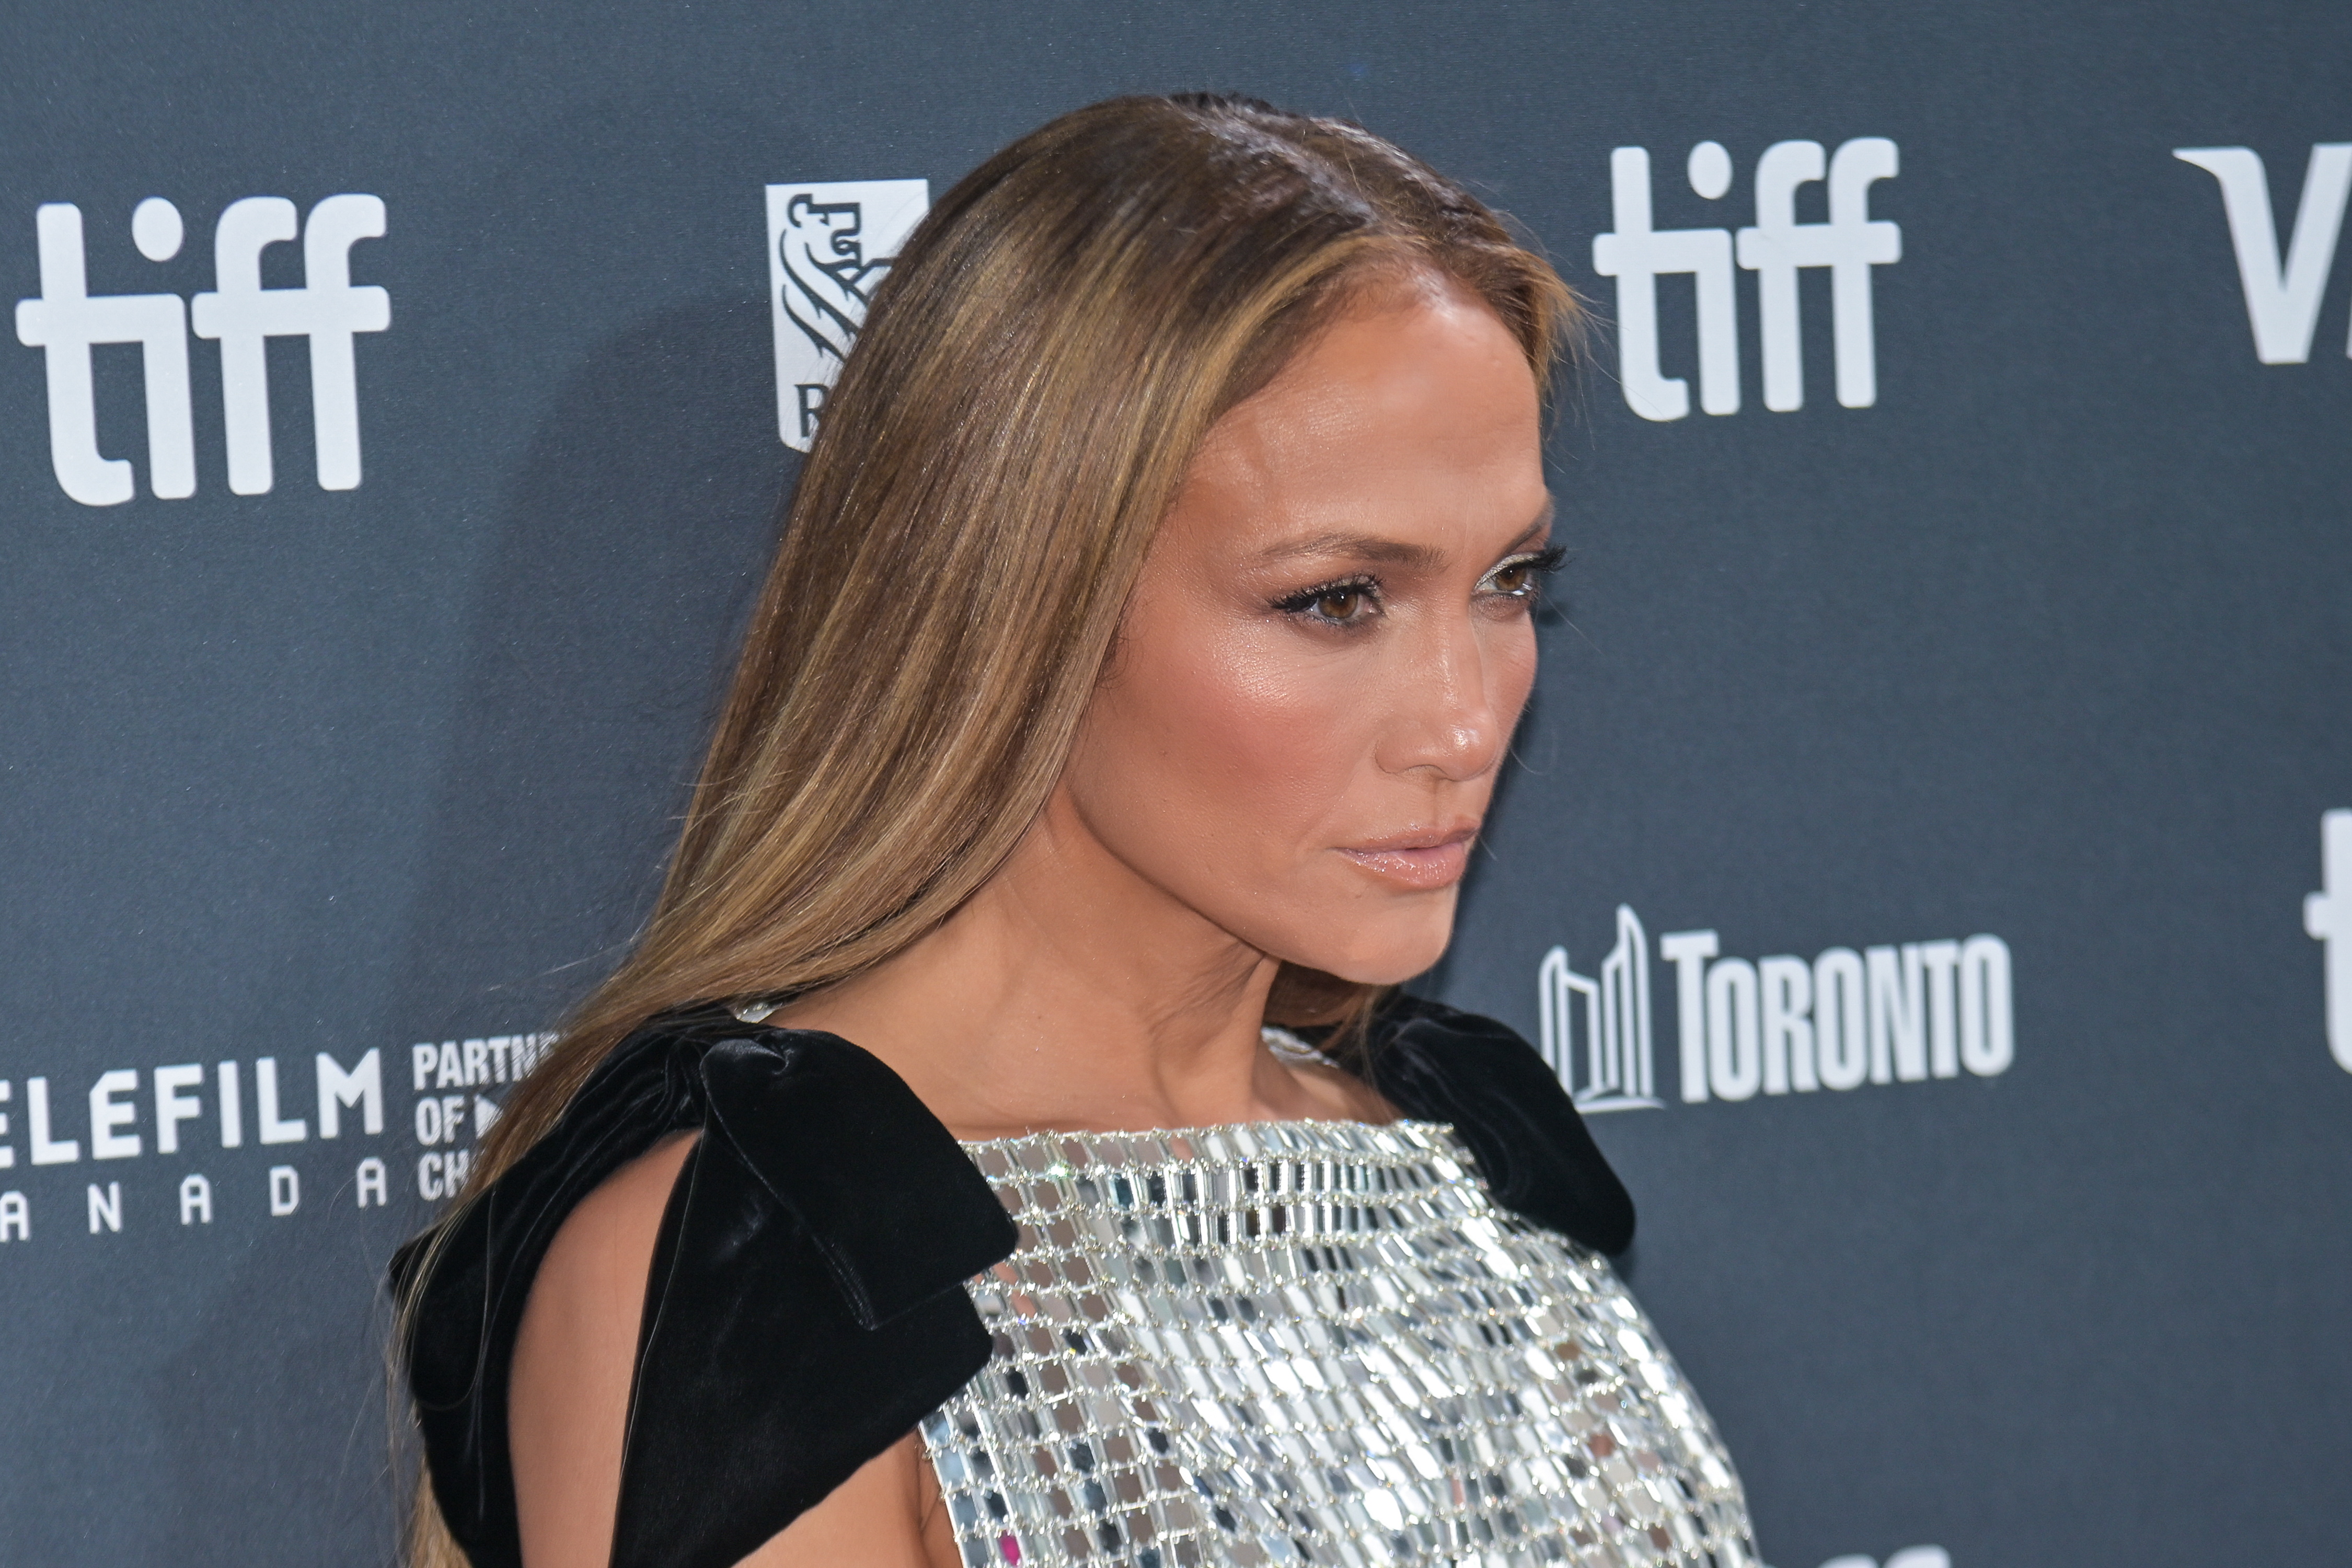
<point x="1070" y="994"/>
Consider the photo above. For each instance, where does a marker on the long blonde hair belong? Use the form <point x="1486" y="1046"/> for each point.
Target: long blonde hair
<point x="1031" y="381"/>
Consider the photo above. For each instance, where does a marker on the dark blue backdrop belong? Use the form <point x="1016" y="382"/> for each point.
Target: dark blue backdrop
<point x="2048" y="644"/>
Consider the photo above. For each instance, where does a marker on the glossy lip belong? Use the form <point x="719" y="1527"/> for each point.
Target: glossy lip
<point x="1418" y="858"/>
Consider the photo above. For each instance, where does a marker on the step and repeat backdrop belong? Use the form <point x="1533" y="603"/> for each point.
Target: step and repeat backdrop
<point x="1929" y="859"/>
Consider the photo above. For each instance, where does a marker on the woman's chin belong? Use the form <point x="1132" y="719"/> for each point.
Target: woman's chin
<point x="1383" y="958"/>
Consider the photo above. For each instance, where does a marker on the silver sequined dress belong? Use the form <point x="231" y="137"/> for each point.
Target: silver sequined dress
<point x="1313" y="1343"/>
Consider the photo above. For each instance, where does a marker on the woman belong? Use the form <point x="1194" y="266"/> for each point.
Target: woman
<point x="1147" y="635"/>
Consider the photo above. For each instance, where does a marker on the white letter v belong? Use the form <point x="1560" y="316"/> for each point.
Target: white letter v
<point x="2282" y="303"/>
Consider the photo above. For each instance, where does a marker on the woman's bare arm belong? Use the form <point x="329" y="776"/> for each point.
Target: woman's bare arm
<point x="569" y="1399"/>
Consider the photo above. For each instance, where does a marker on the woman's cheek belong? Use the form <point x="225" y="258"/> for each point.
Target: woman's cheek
<point x="1518" y="669"/>
<point x="1206" y="726"/>
<point x="1286" y="722"/>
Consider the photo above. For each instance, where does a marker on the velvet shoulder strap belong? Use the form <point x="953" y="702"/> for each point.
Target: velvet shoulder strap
<point x="1435" y="1063"/>
<point x="805" y="1307"/>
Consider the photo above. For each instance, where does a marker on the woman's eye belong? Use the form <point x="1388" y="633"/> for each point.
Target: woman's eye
<point x="1351" y="604"/>
<point x="1520" y="579"/>
<point x="1339" y="604"/>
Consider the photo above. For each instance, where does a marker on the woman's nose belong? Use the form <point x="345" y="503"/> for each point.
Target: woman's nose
<point x="1445" y="716"/>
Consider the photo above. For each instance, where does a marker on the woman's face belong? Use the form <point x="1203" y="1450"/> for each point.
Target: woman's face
<point x="1330" y="643"/>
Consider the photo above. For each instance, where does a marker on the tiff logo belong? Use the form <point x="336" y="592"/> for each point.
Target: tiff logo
<point x="1776" y="249"/>
<point x="2282" y="297"/>
<point x="828" y="246"/>
<point x="68" y="321"/>
<point x="2327" y="916"/>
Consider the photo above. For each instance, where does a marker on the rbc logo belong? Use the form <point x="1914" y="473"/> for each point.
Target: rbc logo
<point x="66" y="320"/>
<point x="828" y="246"/>
<point x="1776" y="249"/>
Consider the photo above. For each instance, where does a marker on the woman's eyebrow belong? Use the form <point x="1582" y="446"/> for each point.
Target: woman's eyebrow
<point x="1389" y="552"/>
<point x="1357" y="547"/>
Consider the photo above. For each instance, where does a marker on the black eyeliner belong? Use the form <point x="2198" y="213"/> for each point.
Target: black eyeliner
<point x="1305" y="598"/>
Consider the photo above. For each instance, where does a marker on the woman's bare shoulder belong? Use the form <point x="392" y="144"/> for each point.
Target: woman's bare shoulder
<point x="569" y="1399"/>
<point x="568" y="1391"/>
<point x="607" y="1240"/>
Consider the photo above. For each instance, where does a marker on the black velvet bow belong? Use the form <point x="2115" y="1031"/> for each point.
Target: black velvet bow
<point x="1435" y="1063"/>
<point x="805" y="1307"/>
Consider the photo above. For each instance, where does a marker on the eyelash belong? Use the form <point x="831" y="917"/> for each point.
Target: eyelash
<point x="1540" y="564"/>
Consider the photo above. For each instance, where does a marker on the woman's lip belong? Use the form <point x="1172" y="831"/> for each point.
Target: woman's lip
<point x="1439" y="836"/>
<point x="1419" y="858"/>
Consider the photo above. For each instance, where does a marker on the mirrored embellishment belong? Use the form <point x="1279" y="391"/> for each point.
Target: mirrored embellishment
<point x="1313" y="1343"/>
